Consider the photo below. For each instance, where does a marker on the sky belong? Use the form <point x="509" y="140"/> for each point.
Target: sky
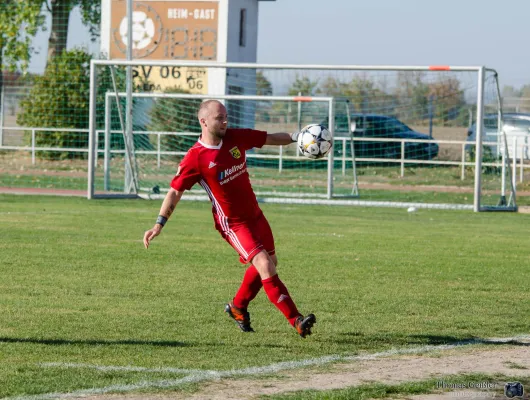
<point x="493" y="33"/>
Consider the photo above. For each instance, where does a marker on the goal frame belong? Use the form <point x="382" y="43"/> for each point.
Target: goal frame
<point x="480" y="70"/>
<point x="306" y="99"/>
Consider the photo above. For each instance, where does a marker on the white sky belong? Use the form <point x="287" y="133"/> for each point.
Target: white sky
<point x="400" y="32"/>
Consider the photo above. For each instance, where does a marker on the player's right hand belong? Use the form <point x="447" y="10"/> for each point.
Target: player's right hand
<point x="151" y="234"/>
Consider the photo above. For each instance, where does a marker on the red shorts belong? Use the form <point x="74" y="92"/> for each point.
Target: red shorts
<point x="249" y="238"/>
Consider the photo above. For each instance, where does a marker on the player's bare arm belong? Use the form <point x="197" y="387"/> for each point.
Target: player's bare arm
<point x="281" y="138"/>
<point x="167" y="208"/>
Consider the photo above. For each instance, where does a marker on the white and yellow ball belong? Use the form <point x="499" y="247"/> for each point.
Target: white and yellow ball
<point x="315" y="141"/>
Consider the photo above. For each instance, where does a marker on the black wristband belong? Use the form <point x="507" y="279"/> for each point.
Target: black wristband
<point x="161" y="220"/>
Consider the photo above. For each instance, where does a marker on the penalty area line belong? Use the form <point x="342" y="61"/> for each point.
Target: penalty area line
<point x="205" y="375"/>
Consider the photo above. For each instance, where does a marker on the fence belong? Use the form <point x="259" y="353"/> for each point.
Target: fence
<point x="105" y="154"/>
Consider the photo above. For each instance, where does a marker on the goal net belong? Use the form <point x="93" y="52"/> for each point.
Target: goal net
<point x="402" y="135"/>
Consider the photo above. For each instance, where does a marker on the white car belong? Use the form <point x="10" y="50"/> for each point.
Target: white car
<point x="516" y="126"/>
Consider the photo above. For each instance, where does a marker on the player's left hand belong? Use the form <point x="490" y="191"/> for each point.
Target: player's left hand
<point x="151" y="234"/>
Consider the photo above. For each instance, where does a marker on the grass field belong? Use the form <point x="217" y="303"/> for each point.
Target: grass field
<point x="78" y="287"/>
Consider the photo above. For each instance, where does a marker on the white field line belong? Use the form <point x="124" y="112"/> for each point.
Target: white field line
<point x="105" y="368"/>
<point x="205" y="375"/>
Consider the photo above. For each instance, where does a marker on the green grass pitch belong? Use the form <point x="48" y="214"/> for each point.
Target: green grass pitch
<point x="77" y="287"/>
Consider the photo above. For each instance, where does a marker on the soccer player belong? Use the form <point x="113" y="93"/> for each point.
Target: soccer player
<point x="218" y="163"/>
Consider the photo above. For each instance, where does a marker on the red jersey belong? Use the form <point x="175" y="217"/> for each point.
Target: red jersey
<point x="222" y="171"/>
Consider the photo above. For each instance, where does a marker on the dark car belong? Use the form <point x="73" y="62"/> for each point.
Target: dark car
<point x="377" y="126"/>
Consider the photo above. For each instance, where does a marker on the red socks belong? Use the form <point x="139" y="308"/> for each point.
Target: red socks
<point x="275" y="289"/>
<point x="249" y="288"/>
<point x="279" y="296"/>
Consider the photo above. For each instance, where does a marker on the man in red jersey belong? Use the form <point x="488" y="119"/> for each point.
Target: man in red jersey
<point x="218" y="163"/>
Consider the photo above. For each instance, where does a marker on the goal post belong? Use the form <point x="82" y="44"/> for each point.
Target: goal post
<point x="161" y="158"/>
<point x="400" y="132"/>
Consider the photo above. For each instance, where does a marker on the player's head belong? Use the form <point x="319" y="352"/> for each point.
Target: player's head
<point x="213" y="118"/>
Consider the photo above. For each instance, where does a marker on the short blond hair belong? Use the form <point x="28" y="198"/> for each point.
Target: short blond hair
<point x="204" y="107"/>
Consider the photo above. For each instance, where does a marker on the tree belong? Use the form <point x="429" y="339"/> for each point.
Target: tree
<point x="412" y="94"/>
<point x="60" y="11"/>
<point x="448" y="98"/>
<point x="525" y="91"/>
<point x="175" y="115"/>
<point x="304" y="86"/>
<point x="263" y="85"/>
<point x="509" y="91"/>
<point x="364" y="94"/>
<point x="60" y="99"/>
<point x="19" y="22"/>
<point x="263" y="88"/>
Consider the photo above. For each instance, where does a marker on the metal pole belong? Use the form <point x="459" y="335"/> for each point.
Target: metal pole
<point x="2" y="109"/>
<point x="129" y="173"/>
<point x="430" y="114"/>
<point x="514" y="162"/>
<point x="478" y="141"/>
<point x="402" y="158"/>
<point x="280" y="161"/>
<point x="344" y="157"/>
<point x="33" y="147"/>
<point x="521" y="166"/>
<point x="299" y="120"/>
<point x="158" y="149"/>
<point x="253" y="66"/>
<point x="330" y="155"/>
<point x="299" y="113"/>
<point x="106" y="156"/>
<point x="91" y="130"/>
<point x="463" y="174"/>
<point x="503" y="178"/>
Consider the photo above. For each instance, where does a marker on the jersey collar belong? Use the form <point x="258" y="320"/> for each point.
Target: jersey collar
<point x="210" y="146"/>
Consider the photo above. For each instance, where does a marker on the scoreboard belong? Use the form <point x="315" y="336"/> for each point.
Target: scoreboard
<point x="167" y="30"/>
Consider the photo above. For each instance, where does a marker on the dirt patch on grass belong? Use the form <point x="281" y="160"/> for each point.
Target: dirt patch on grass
<point x="512" y="361"/>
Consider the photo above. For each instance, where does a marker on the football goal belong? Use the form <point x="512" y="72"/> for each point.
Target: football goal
<point x="400" y="133"/>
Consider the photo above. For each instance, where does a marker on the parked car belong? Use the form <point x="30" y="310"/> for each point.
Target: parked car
<point x="383" y="127"/>
<point x="514" y="125"/>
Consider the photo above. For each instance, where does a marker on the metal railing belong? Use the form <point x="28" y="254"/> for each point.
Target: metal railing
<point x="522" y="151"/>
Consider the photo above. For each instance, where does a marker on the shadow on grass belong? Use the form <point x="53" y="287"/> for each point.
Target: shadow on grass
<point x="93" y="342"/>
<point x="132" y="342"/>
<point x="360" y="339"/>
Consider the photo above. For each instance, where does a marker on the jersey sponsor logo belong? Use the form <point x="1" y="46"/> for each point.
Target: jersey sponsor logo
<point x="229" y="171"/>
<point x="235" y="152"/>
<point x="212" y="164"/>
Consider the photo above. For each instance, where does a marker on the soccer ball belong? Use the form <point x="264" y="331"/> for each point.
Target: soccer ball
<point x="314" y="141"/>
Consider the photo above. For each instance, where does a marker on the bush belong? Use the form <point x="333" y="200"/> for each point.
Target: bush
<point x="175" y="115"/>
<point x="60" y="99"/>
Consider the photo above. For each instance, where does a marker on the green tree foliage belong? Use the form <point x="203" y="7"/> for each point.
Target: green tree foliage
<point x="412" y="95"/>
<point x="364" y="94"/>
<point x="510" y="91"/>
<point x="19" y="22"/>
<point x="448" y="100"/>
<point x="60" y="12"/>
<point x="60" y="99"/>
<point x="263" y="85"/>
<point x="303" y="86"/>
<point x="525" y="91"/>
<point x="263" y="88"/>
<point x="175" y="115"/>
